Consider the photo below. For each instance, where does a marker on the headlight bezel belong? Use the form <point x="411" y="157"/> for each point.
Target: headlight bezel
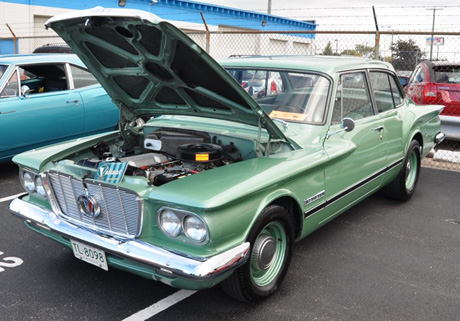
<point x="40" y="187"/>
<point x="28" y="183"/>
<point x="182" y="236"/>
<point x="34" y="176"/>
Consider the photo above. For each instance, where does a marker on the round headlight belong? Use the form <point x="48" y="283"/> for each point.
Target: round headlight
<point x="195" y="229"/>
<point x="170" y="223"/>
<point x="29" y="183"/>
<point x="39" y="188"/>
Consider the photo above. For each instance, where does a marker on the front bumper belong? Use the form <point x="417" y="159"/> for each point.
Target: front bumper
<point x="196" y="272"/>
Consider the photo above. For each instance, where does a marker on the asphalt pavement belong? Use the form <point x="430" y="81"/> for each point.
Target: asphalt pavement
<point x="381" y="260"/>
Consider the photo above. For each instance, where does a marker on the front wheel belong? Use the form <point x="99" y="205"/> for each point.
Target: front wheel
<point x="272" y="239"/>
<point x="403" y="186"/>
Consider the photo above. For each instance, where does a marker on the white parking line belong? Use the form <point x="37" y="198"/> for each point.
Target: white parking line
<point x="9" y="198"/>
<point x="160" y="306"/>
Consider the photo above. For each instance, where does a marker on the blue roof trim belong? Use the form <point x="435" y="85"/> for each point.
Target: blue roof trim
<point x="238" y="12"/>
<point x="189" y="11"/>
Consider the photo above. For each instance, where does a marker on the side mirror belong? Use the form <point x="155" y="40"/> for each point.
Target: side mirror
<point x="347" y="124"/>
<point x="25" y="90"/>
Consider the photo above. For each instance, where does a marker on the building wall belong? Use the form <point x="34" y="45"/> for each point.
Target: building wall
<point x="27" y="18"/>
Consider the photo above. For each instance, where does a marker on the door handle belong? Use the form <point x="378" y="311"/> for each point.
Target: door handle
<point x="75" y="101"/>
<point x="378" y="129"/>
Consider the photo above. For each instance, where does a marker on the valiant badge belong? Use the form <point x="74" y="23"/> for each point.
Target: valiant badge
<point x="111" y="172"/>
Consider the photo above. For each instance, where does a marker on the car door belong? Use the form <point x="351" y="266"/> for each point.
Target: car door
<point x="357" y="157"/>
<point x="389" y="100"/>
<point x="44" y="116"/>
<point x="101" y="114"/>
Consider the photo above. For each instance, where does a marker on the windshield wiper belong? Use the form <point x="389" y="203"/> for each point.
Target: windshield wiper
<point x="285" y="123"/>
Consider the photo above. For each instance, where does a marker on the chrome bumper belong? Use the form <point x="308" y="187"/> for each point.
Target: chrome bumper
<point x="165" y="262"/>
<point x="439" y="138"/>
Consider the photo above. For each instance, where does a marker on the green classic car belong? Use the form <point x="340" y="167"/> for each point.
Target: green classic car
<point x="219" y="184"/>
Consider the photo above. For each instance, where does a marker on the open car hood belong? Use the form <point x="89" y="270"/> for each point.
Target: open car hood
<point x="151" y="68"/>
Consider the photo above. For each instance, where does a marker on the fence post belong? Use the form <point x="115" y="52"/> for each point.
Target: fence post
<point x="15" y="40"/>
<point x="208" y="34"/>
<point x="377" y="45"/>
<point x="377" y="35"/>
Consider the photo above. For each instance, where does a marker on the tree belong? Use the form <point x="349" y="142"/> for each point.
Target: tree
<point x="360" y="51"/>
<point x="365" y="51"/>
<point x="350" y="52"/>
<point x="406" y="54"/>
<point x="328" y="50"/>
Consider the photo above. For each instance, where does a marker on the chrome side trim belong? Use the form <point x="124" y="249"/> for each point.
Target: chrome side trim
<point x="197" y="269"/>
<point x="350" y="190"/>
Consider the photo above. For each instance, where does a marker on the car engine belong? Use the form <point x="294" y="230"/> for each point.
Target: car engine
<point x="168" y="155"/>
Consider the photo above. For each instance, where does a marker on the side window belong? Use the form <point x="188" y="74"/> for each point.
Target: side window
<point x="12" y="87"/>
<point x="43" y="78"/>
<point x="398" y="98"/>
<point x="418" y="76"/>
<point x="82" y="77"/>
<point x="382" y="91"/>
<point x="352" y="98"/>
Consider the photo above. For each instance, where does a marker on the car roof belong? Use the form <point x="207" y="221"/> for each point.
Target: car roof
<point x="440" y="63"/>
<point x="325" y="64"/>
<point x="39" y="58"/>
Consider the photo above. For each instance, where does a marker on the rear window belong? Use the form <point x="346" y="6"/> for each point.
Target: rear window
<point x="449" y="74"/>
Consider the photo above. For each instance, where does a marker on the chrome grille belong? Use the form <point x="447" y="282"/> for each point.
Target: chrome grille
<point x="120" y="213"/>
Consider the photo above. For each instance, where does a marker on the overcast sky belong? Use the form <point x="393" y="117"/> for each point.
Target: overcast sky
<point x="357" y="14"/>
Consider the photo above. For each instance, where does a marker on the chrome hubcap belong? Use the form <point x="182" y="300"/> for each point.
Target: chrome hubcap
<point x="263" y="252"/>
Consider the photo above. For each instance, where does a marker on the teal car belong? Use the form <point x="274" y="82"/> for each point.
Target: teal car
<point x="219" y="184"/>
<point x="46" y="99"/>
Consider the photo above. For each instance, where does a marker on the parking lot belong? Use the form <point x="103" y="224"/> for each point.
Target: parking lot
<point x="381" y="260"/>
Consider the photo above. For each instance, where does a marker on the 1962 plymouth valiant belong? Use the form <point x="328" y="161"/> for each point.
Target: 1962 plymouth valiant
<point x="218" y="185"/>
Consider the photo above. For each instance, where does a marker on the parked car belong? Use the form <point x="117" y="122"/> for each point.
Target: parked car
<point x="46" y="99"/>
<point x="218" y="186"/>
<point x="403" y="76"/>
<point x="438" y="82"/>
<point x="53" y="48"/>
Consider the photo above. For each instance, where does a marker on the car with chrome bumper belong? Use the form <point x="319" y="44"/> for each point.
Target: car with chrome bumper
<point x="217" y="186"/>
<point x="438" y="82"/>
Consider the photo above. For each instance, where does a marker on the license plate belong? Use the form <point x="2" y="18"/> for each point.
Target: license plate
<point x="89" y="254"/>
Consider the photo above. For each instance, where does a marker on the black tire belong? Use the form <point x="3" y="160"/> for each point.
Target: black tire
<point x="272" y="241"/>
<point x="403" y="186"/>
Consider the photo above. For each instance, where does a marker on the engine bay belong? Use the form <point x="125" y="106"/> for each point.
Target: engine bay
<point x="167" y="154"/>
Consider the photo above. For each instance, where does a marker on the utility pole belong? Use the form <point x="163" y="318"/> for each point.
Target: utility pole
<point x="432" y="30"/>
<point x="269" y="10"/>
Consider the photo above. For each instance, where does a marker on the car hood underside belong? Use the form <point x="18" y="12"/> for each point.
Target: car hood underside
<point x="150" y="68"/>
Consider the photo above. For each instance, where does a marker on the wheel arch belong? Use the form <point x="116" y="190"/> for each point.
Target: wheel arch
<point x="293" y="208"/>
<point x="418" y="137"/>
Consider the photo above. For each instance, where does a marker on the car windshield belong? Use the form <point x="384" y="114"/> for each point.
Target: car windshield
<point x="447" y="74"/>
<point x="286" y="95"/>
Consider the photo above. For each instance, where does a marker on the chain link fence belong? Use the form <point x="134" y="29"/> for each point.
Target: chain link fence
<point x="428" y="65"/>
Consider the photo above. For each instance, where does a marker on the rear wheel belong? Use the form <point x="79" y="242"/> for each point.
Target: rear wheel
<point x="403" y="186"/>
<point x="272" y="240"/>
